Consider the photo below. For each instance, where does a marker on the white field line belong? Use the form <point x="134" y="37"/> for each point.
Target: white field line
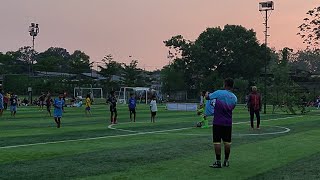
<point x="115" y="136"/>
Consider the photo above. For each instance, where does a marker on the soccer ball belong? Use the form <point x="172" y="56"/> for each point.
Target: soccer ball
<point x="199" y="124"/>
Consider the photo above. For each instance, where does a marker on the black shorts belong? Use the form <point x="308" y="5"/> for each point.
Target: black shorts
<point x="153" y="113"/>
<point x="133" y="110"/>
<point x="113" y="109"/>
<point x="221" y="132"/>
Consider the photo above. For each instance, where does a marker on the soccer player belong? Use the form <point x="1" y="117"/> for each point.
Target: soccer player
<point x="1" y="103"/>
<point x="58" y="109"/>
<point x="203" y="123"/>
<point x="48" y="104"/>
<point x="254" y="106"/>
<point x="132" y="107"/>
<point x="88" y="105"/>
<point x="153" y="108"/>
<point x="112" y="100"/>
<point x="13" y="105"/>
<point x="41" y="101"/>
<point x="225" y="102"/>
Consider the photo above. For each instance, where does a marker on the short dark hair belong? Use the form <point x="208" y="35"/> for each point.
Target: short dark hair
<point x="228" y="82"/>
<point x="112" y="92"/>
<point x="204" y="93"/>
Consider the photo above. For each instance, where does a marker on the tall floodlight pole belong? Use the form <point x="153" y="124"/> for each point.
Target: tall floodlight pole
<point x="266" y="7"/>
<point x="33" y="31"/>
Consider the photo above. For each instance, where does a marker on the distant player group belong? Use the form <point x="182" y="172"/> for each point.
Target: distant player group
<point x="219" y="104"/>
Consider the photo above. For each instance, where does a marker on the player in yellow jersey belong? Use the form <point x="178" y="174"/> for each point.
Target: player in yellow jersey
<point x="88" y="105"/>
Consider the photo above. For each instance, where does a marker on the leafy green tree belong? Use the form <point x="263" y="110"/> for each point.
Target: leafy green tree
<point x="232" y="51"/>
<point x="131" y="74"/>
<point x="79" y="62"/>
<point x="111" y="69"/>
<point x="307" y="60"/>
<point x="54" y="59"/>
<point x="310" y="29"/>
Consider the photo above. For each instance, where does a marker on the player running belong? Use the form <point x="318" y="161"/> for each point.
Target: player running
<point x="132" y="107"/>
<point x="222" y="121"/>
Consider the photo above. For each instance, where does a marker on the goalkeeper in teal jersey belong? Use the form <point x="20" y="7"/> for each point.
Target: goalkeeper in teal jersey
<point x="203" y="123"/>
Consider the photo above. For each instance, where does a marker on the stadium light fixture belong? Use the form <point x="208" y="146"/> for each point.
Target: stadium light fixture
<point x="266" y="7"/>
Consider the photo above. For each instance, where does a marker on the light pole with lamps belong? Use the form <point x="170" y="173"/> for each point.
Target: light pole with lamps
<point x="266" y="7"/>
<point x="33" y="31"/>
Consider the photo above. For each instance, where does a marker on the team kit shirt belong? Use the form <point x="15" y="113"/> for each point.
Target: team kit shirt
<point x="88" y="102"/>
<point x="58" y="105"/>
<point x="132" y="103"/>
<point x="113" y="103"/>
<point x="225" y="102"/>
<point x="13" y="101"/>
<point x="153" y="106"/>
<point x="209" y="107"/>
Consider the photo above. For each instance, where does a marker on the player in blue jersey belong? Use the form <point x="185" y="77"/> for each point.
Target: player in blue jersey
<point x="58" y="109"/>
<point x="132" y="107"/>
<point x="225" y="102"/>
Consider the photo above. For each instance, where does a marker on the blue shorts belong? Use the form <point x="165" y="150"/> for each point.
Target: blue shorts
<point x="57" y="113"/>
<point x="88" y="108"/>
<point x="13" y="108"/>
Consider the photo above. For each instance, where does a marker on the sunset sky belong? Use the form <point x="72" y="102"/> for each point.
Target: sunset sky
<point x="138" y="28"/>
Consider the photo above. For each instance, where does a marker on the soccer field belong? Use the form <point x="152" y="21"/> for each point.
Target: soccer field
<point x="31" y="147"/>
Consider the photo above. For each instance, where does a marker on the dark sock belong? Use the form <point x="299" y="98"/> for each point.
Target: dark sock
<point x="218" y="157"/>
<point x="226" y="156"/>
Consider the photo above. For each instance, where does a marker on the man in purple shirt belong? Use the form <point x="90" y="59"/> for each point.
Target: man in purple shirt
<point x="222" y="121"/>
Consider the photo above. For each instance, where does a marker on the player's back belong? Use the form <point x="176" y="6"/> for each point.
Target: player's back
<point x="224" y="105"/>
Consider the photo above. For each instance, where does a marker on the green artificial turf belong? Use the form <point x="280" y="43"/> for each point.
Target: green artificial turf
<point x="31" y="147"/>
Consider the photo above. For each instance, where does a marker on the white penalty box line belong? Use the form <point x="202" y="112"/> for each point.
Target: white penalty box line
<point x="134" y="133"/>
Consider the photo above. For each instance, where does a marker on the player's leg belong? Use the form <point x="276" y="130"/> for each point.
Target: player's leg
<point x="130" y="112"/>
<point x="216" y="136"/>
<point x="59" y="122"/>
<point x="227" y="133"/>
<point x="205" y="121"/>
<point x="251" y="117"/>
<point x="258" y="118"/>
<point x="111" y="116"/>
<point x="115" y="116"/>
<point x="56" y="120"/>
<point x="134" y="115"/>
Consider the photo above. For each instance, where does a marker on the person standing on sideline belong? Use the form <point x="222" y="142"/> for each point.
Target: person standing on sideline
<point x="1" y="102"/>
<point x="225" y="102"/>
<point x="13" y="105"/>
<point x="318" y="102"/>
<point x="112" y="100"/>
<point x="153" y="108"/>
<point x="88" y="105"/>
<point x="58" y="109"/>
<point x="254" y="106"/>
<point x="132" y="107"/>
